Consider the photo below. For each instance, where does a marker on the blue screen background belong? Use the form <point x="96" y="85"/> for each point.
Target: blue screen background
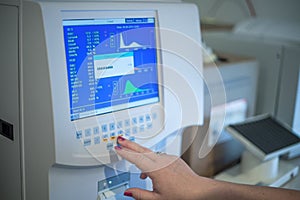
<point x="84" y="42"/>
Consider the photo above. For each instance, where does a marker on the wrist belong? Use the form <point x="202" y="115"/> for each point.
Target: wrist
<point x="207" y="188"/>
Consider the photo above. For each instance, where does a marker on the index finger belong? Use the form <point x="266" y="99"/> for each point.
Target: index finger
<point x="139" y="159"/>
<point x="132" y="145"/>
<point x="142" y="157"/>
<point x="137" y="148"/>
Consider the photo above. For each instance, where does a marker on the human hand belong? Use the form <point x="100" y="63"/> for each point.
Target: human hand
<point x="172" y="178"/>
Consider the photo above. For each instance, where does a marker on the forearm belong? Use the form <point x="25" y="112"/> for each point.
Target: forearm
<point x="225" y="190"/>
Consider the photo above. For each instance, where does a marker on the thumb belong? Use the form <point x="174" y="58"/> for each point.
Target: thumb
<point x="140" y="194"/>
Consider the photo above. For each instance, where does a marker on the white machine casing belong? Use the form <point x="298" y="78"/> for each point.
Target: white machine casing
<point x="54" y="163"/>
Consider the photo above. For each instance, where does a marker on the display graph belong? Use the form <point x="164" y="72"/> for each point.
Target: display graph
<point x="131" y="45"/>
<point x="136" y="39"/>
<point x="130" y="88"/>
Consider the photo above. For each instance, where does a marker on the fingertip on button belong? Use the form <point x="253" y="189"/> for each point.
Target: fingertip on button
<point x="120" y="138"/>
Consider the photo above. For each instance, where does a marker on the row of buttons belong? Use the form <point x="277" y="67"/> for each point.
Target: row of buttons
<point x="110" y="131"/>
<point x="119" y="125"/>
<point x="113" y="135"/>
<point x="109" y="145"/>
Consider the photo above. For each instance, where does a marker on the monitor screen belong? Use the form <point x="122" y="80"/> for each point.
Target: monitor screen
<point x="112" y="64"/>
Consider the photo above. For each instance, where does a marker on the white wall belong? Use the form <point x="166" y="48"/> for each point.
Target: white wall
<point x="232" y="11"/>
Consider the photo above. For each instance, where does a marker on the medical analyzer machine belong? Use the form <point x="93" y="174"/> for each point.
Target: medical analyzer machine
<point x="86" y="73"/>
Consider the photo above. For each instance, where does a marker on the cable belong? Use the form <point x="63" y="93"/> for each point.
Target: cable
<point x="251" y="8"/>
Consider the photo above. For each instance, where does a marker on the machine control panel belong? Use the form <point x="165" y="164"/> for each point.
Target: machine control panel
<point x="107" y="133"/>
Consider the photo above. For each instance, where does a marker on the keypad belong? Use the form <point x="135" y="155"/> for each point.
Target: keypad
<point x="107" y="133"/>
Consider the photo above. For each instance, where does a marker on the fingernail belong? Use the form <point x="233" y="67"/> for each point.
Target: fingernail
<point x="129" y="194"/>
<point x="118" y="147"/>
<point x="121" y="138"/>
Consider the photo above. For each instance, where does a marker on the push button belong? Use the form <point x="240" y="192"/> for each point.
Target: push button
<point x="149" y="125"/>
<point x="120" y="124"/>
<point x="127" y="122"/>
<point x="87" y="142"/>
<point x="78" y="134"/>
<point x="132" y="138"/>
<point x="127" y="132"/>
<point x="134" y="130"/>
<point x="88" y="132"/>
<point x="97" y="140"/>
<point x="110" y="146"/>
<point x="148" y="118"/>
<point x="96" y="130"/>
<point x="134" y="120"/>
<point x="142" y="128"/>
<point x="113" y="136"/>
<point x="112" y="126"/>
<point x="120" y="133"/>
<point x="104" y="128"/>
<point x="141" y="119"/>
<point x="105" y="138"/>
